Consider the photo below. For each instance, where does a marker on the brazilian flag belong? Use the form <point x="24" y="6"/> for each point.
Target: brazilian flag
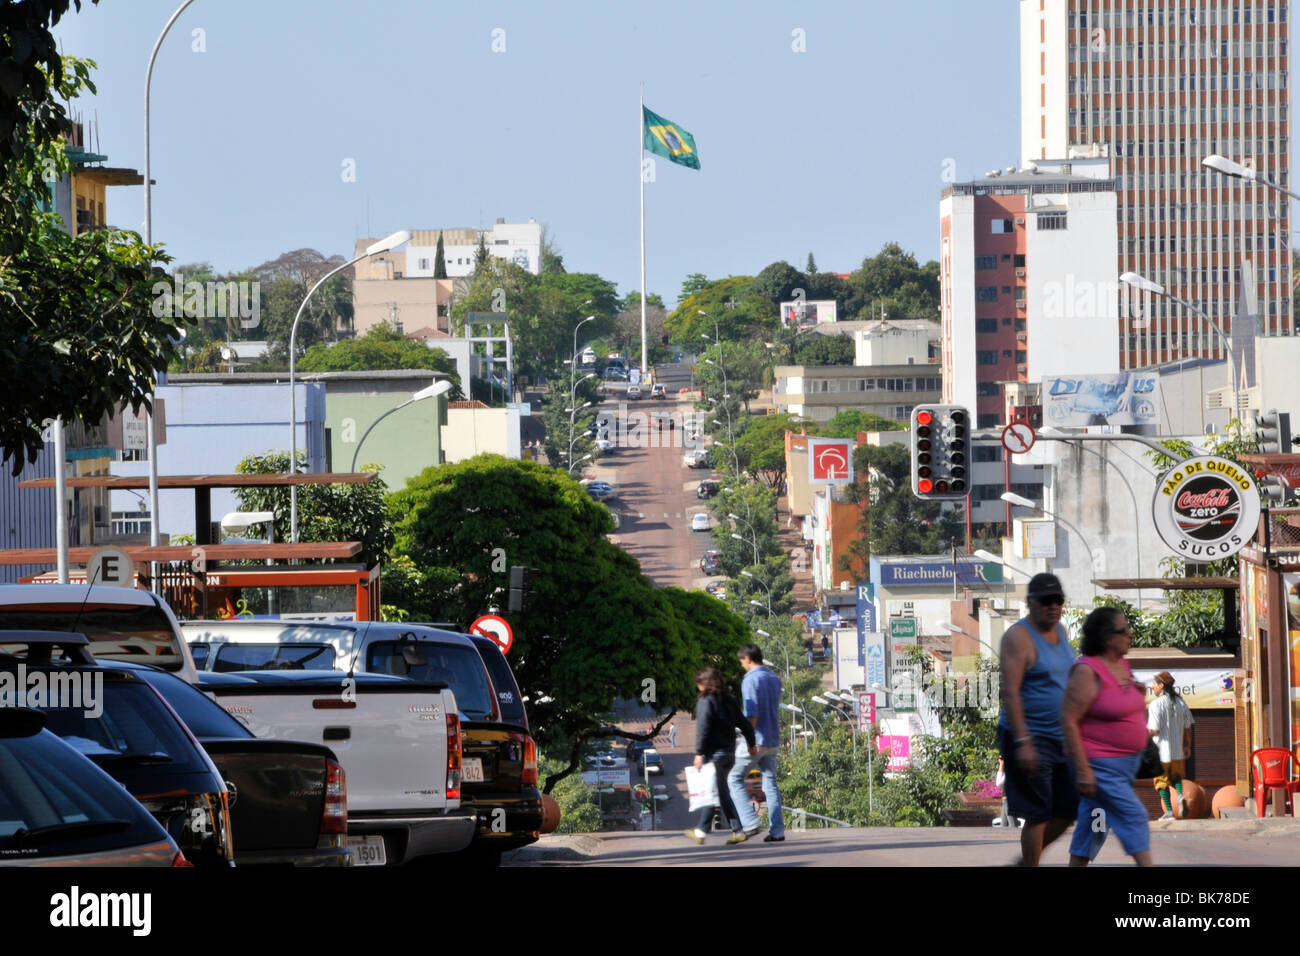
<point x="669" y="140"/>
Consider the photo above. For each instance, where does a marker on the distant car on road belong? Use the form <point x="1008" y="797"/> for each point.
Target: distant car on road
<point x="709" y="564"/>
<point x="697" y="458"/>
<point x="700" y="521"/>
<point x="614" y="373"/>
<point x="600" y="490"/>
<point x="604" y="444"/>
<point x="718" y="589"/>
<point x="634" y="392"/>
<point x="658" y="391"/>
<point x="707" y="489"/>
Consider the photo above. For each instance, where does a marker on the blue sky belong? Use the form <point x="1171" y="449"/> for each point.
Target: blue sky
<point x="836" y="150"/>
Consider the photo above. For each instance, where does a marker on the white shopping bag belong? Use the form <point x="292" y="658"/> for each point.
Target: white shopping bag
<point x="702" y="785"/>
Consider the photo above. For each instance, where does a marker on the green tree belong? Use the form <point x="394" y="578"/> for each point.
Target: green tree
<point x="826" y="350"/>
<point x="481" y="256"/>
<point x="848" y="423"/>
<point x="78" y="328"/>
<point x="896" y="521"/>
<point x="574" y="652"/>
<point x="777" y="283"/>
<point x="693" y="284"/>
<point x="440" y="260"/>
<point x="380" y="348"/>
<point x="353" y="512"/>
<point x="894" y="279"/>
<point x="551" y="262"/>
<point x="739" y="313"/>
<point x="811" y="267"/>
<point x="761" y="446"/>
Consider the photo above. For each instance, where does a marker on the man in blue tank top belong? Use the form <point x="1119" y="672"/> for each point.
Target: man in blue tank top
<point x="1036" y="662"/>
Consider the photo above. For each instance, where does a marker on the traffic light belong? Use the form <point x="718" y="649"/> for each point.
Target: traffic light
<point x="523" y="582"/>
<point x="940" y="452"/>
<point x="1273" y="432"/>
<point x="1273" y="490"/>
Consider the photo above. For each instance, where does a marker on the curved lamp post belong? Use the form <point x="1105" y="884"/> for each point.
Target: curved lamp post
<point x="1015" y="499"/>
<point x="434" y="390"/>
<point x="386" y="244"/>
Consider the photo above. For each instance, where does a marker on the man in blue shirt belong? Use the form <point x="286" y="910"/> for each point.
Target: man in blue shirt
<point x="761" y="696"/>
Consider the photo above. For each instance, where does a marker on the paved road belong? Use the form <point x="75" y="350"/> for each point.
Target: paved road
<point x="1195" y="843"/>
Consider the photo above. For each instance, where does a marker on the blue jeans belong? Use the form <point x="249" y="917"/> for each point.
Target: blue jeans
<point x="1115" y="808"/>
<point x="744" y="806"/>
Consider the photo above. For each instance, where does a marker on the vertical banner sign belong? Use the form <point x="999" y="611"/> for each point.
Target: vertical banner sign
<point x="866" y="618"/>
<point x="866" y="710"/>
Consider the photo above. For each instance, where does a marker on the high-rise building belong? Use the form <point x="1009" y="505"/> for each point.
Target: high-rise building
<point x="1153" y="87"/>
<point x="1028" y="289"/>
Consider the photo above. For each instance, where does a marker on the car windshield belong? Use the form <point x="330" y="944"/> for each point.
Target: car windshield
<point x="54" y="803"/>
<point x="231" y="658"/>
<point x="455" y="665"/>
<point x="132" y="728"/>
<point x="140" y="632"/>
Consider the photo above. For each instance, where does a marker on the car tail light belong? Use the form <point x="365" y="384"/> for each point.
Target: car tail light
<point x="334" y="816"/>
<point x="529" y="774"/>
<point x="179" y="860"/>
<point x="453" y="756"/>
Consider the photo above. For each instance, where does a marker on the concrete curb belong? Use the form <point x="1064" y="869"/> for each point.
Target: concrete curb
<point x="1268" y="826"/>
<point x="565" y="847"/>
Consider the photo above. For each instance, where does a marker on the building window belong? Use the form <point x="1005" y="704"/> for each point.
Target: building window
<point x="1051" y="220"/>
<point x="986" y="262"/>
<point x="1021" y="357"/>
<point x="986" y="325"/>
<point x="1006" y="353"/>
<point x="1001" y="226"/>
<point x="986" y="453"/>
<point x="988" y="420"/>
<point x="988" y="293"/>
<point x="1020" y="261"/>
<point x="1020" y="325"/>
<point x="987" y="389"/>
<point x="987" y="358"/>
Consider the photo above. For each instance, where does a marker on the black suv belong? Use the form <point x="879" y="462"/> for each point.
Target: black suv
<point x="707" y="489"/>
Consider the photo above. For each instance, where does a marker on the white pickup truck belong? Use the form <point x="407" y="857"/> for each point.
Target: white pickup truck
<point x="399" y="742"/>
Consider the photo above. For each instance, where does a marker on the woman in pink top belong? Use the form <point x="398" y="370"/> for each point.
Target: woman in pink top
<point x="1103" y="722"/>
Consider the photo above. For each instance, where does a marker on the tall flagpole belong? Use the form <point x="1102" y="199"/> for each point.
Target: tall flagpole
<point x="640" y="171"/>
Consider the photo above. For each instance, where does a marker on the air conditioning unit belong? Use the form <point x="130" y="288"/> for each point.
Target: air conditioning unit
<point x="846" y="586"/>
<point x="1020" y="273"/>
<point x="1020" y="222"/>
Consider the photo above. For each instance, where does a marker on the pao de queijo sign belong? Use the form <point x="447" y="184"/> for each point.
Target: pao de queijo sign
<point x="1206" y="508"/>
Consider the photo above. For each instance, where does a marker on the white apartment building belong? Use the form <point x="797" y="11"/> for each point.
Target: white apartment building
<point x="1028" y="289"/>
<point x="1151" y="88"/>
<point x="517" y="242"/>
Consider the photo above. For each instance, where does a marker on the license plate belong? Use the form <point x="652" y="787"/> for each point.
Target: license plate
<point x="472" y="770"/>
<point x="367" y="850"/>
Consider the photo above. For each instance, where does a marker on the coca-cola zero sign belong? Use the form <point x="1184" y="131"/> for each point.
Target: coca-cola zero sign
<point x="1206" y="508"/>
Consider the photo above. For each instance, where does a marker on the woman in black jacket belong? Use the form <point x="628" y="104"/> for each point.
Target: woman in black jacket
<point x="717" y="718"/>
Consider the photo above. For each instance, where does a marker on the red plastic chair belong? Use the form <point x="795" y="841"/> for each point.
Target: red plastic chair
<point x="1272" y="767"/>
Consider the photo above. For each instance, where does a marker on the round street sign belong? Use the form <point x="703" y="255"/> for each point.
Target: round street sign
<point x="497" y="628"/>
<point x="1206" y="508"/>
<point x="1018" y="437"/>
<point x="111" y="566"/>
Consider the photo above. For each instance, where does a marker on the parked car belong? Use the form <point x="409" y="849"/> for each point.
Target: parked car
<point x="58" y="809"/>
<point x="634" y="392"/>
<point x="710" y="562"/>
<point x="615" y="373"/>
<point x="120" y="623"/>
<point x="636" y="747"/>
<point x="718" y="589"/>
<point x="651" y="762"/>
<point x="707" y="489"/>
<point x="697" y="458"/>
<point x="658" y="391"/>
<point x="700" y="521"/>
<point x="604" y="445"/>
<point x="132" y="735"/>
<point x="600" y="490"/>
<point x="498" y="763"/>
<point x="288" y="797"/>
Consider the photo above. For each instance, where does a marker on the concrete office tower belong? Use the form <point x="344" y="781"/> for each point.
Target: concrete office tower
<point x="1028" y="289"/>
<point x="1153" y="87"/>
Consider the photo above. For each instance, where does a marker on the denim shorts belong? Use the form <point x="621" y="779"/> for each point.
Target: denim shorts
<point x="1046" y="794"/>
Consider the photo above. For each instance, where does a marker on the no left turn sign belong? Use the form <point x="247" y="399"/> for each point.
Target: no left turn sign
<point x="1018" y="437"/>
<point x="497" y="628"/>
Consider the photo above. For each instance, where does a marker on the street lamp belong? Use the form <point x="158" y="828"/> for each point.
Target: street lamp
<point x="434" y="390"/>
<point x="766" y="588"/>
<point x="577" y="463"/>
<point x="151" y="442"/>
<point x="1015" y="499"/>
<point x="752" y="532"/>
<point x="1143" y="284"/>
<point x="387" y="244"/>
<point x="950" y="626"/>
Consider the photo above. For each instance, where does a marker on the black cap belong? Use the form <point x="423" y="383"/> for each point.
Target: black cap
<point x="1045" y="585"/>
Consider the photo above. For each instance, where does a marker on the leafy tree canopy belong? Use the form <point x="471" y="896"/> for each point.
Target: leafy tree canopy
<point x="381" y="348"/>
<point x="848" y="423"/>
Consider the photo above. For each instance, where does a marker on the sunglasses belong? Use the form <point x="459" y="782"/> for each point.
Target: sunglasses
<point x="1050" y="600"/>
